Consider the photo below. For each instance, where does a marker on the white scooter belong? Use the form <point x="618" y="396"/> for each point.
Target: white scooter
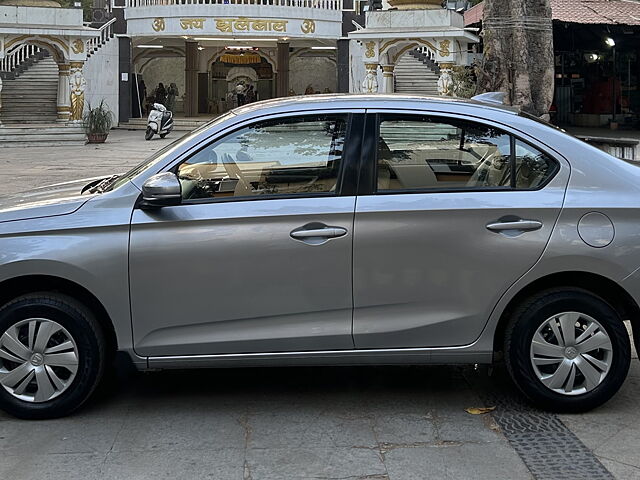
<point x="160" y="122"/>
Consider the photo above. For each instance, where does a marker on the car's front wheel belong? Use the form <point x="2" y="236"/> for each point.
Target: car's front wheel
<point x="52" y="355"/>
<point x="567" y="350"/>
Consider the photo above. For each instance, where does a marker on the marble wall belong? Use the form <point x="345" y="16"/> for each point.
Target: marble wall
<point x="319" y="72"/>
<point x="166" y="70"/>
<point x="101" y="74"/>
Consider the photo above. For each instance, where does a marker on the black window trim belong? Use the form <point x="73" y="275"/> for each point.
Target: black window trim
<point x="367" y="184"/>
<point x="348" y="170"/>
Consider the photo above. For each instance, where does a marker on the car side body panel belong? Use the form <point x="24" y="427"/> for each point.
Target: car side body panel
<point x="88" y="248"/>
<point x="228" y="278"/>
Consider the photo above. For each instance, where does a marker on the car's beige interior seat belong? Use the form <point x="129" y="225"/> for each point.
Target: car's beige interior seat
<point x="492" y="171"/>
<point x="243" y="187"/>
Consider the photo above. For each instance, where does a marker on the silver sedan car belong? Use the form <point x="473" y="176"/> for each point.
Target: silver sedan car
<point x="339" y="229"/>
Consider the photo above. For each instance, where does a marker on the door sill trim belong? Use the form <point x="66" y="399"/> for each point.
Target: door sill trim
<point x="383" y="356"/>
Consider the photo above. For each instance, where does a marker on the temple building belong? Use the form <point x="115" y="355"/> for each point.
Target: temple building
<point x="211" y="55"/>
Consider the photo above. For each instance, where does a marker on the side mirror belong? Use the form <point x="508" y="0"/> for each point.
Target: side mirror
<point x="161" y="190"/>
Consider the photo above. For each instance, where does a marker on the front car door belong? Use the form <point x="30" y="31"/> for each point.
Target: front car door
<point x="452" y="213"/>
<point x="258" y="256"/>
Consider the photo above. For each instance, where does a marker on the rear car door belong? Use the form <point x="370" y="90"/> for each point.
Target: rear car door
<point x="258" y="256"/>
<point x="451" y="212"/>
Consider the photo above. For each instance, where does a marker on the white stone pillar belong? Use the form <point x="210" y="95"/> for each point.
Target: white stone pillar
<point x="64" y="93"/>
<point x="0" y="99"/>
<point x="387" y="78"/>
<point x="77" y="85"/>
<point x="370" y="81"/>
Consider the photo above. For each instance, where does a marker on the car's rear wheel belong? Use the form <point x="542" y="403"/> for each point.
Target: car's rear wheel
<point x="567" y="350"/>
<point x="52" y="355"/>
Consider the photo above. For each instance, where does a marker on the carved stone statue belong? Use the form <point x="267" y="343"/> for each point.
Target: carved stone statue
<point x="445" y="83"/>
<point x="77" y="85"/>
<point x="370" y="82"/>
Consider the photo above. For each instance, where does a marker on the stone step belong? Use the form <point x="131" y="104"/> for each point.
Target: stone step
<point x="415" y="84"/>
<point x="414" y="73"/>
<point x="403" y="86"/>
<point x="34" y="72"/>
<point x="15" y="119"/>
<point x="18" y="115"/>
<point x="43" y="121"/>
<point x="38" y="78"/>
<point x="30" y="87"/>
<point x="45" y="135"/>
<point x="14" y="110"/>
<point x="24" y="94"/>
<point x="29" y="102"/>
<point x="34" y="85"/>
<point x="23" y="99"/>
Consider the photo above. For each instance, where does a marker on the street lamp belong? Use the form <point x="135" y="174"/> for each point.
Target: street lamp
<point x="611" y="43"/>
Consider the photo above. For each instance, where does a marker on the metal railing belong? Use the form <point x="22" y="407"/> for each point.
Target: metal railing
<point x="17" y="56"/>
<point x="319" y="4"/>
<point x="106" y="33"/>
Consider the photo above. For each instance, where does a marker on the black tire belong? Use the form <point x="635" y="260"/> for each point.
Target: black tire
<point x="526" y="320"/>
<point x="82" y="325"/>
<point x="148" y="135"/>
<point x="162" y="135"/>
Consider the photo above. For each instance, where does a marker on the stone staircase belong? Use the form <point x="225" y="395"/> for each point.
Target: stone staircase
<point x="32" y="96"/>
<point x="414" y="76"/>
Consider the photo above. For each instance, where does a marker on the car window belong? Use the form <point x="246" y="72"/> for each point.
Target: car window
<point x="293" y="156"/>
<point x="416" y="153"/>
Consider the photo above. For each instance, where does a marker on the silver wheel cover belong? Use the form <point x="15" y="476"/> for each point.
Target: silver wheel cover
<point x="38" y="360"/>
<point x="571" y="353"/>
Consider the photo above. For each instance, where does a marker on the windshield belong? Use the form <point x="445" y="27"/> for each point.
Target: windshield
<point x="164" y="153"/>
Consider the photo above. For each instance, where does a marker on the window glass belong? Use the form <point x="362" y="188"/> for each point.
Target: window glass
<point x="421" y="153"/>
<point x="295" y="156"/>
<point x="533" y="168"/>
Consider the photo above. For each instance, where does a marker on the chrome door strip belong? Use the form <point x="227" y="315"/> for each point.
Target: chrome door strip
<point x="386" y="356"/>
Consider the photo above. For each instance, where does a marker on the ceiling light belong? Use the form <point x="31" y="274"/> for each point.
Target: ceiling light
<point x="200" y="47"/>
<point x="323" y="48"/>
<point x="150" y="46"/>
<point x="228" y="39"/>
<point x="591" y="57"/>
<point x="610" y="42"/>
<point x="202" y="39"/>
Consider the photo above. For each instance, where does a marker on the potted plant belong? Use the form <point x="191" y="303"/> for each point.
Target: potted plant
<point x="97" y="123"/>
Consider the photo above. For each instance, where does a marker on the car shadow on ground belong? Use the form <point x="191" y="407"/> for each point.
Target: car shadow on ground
<point x="355" y="385"/>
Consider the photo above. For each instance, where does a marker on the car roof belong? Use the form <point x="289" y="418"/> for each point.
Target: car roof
<point x="357" y="100"/>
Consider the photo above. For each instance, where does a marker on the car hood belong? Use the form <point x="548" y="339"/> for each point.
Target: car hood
<point x="58" y="199"/>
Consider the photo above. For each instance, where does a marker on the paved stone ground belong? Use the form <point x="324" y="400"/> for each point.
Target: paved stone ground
<point x="291" y="423"/>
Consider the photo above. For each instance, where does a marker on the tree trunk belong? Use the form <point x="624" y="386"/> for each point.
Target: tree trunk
<point x="518" y="53"/>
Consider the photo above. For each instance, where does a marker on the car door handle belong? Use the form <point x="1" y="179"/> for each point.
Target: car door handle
<point x="522" y="225"/>
<point x="329" y="232"/>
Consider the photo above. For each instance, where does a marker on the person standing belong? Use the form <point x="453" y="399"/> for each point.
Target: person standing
<point x="161" y="94"/>
<point x="240" y="94"/>
<point x="172" y="93"/>
<point x="251" y="94"/>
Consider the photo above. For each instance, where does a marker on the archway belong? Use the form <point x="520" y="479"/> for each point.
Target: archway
<point x="404" y="60"/>
<point x="230" y="68"/>
<point x="43" y="58"/>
